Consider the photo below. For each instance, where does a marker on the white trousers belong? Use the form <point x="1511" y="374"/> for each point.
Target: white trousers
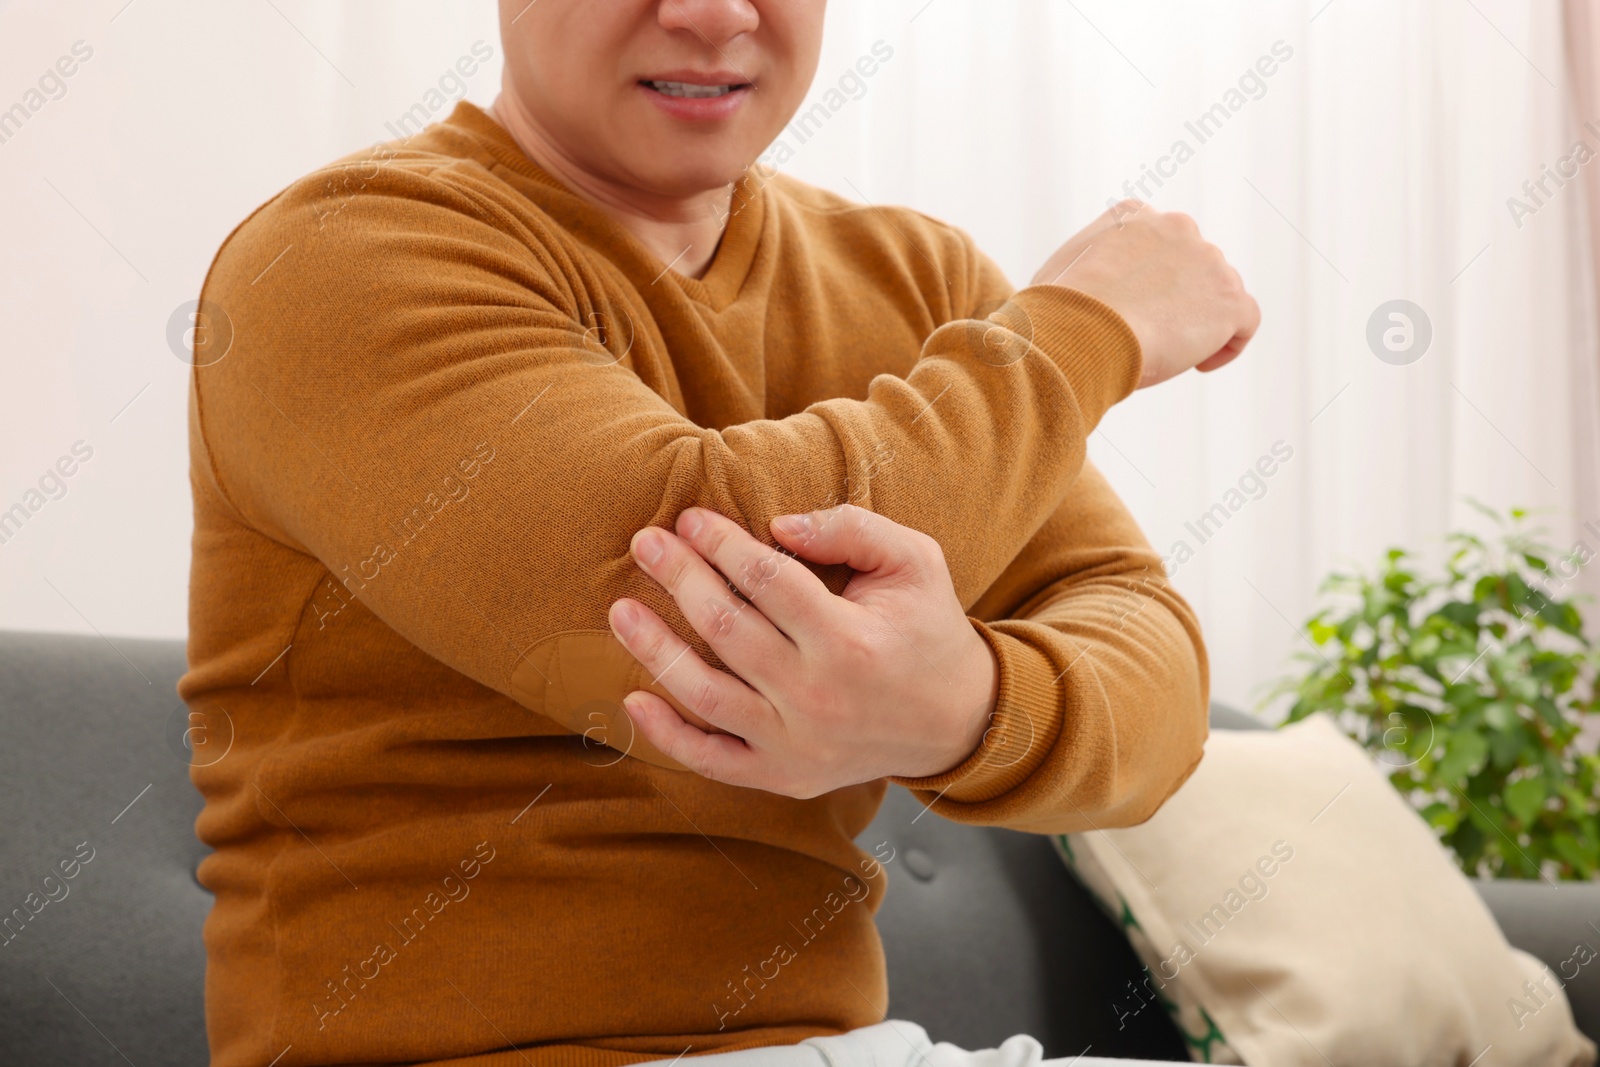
<point x="896" y="1043"/>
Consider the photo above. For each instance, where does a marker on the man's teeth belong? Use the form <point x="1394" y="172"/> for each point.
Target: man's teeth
<point x="688" y="90"/>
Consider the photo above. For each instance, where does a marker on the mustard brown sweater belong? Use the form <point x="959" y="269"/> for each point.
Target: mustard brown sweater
<point x="439" y="395"/>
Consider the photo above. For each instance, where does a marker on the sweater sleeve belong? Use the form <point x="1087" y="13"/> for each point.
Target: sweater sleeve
<point x="418" y="394"/>
<point x="1102" y="708"/>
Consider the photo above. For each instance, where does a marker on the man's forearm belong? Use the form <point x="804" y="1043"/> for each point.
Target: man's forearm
<point x="1101" y="711"/>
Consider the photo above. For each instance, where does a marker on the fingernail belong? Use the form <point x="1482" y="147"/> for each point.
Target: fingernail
<point x="624" y="617"/>
<point x="690" y="522"/>
<point x="793" y="525"/>
<point x="648" y="544"/>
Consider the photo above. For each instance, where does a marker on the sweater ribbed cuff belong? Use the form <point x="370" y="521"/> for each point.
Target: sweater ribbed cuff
<point x="1021" y="733"/>
<point x="1092" y="345"/>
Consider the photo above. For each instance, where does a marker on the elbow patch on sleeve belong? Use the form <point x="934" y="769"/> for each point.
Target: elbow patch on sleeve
<point x="578" y="679"/>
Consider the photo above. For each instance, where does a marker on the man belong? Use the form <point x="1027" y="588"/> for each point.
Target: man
<point x="515" y="776"/>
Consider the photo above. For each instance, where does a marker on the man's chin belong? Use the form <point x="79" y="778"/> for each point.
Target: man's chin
<point x="690" y="174"/>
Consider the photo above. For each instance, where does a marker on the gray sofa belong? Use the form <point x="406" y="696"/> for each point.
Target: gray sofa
<point x="985" y="931"/>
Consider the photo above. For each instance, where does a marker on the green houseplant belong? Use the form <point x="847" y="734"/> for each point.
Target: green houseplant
<point x="1471" y="688"/>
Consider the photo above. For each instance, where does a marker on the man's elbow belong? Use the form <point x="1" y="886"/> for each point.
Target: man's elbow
<point x="1181" y="736"/>
<point x="1180" y="755"/>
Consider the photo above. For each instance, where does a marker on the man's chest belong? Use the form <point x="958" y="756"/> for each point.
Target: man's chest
<point x="770" y="353"/>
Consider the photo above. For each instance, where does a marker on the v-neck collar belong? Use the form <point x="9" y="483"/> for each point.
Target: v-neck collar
<point x="736" y="250"/>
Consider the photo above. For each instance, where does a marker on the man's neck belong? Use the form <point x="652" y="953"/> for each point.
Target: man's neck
<point x="682" y="232"/>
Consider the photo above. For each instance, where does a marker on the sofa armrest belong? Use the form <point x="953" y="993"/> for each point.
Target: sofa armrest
<point x="1559" y="924"/>
<point x="1227" y="717"/>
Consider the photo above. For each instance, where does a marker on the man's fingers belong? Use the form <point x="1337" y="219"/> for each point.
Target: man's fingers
<point x="861" y="539"/>
<point x="1221" y="359"/>
<point x="1251" y="314"/>
<point x="1252" y="323"/>
<point x="719" y="698"/>
<point x="720" y="757"/>
<point x="788" y="594"/>
<point x="740" y="633"/>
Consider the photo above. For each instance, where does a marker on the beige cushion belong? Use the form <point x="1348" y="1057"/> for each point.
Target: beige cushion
<point x="1290" y="908"/>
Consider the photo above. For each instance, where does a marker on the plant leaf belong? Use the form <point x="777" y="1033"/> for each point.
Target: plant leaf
<point x="1524" y="797"/>
<point x="1465" y="754"/>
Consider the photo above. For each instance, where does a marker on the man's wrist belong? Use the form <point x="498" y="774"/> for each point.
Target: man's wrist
<point x="975" y="707"/>
<point x="1017" y="738"/>
<point x="1092" y="344"/>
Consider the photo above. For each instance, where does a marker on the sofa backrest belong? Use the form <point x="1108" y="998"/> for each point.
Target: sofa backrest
<point x="115" y="967"/>
<point x="985" y="932"/>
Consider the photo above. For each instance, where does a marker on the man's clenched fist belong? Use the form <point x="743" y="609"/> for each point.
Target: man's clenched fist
<point x="1176" y="291"/>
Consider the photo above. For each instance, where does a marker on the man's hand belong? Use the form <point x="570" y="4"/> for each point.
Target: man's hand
<point x="1177" y="292"/>
<point x="889" y="678"/>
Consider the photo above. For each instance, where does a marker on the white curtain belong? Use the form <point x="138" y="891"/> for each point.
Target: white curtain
<point x="1345" y="153"/>
<point x="1373" y="163"/>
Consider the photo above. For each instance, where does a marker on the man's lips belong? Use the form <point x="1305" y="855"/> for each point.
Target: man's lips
<point x="697" y="96"/>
